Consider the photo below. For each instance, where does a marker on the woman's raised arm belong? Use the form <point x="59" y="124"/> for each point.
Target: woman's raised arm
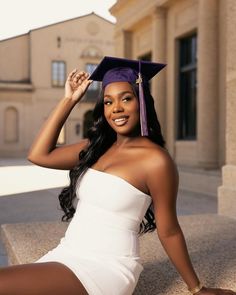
<point x="43" y="151"/>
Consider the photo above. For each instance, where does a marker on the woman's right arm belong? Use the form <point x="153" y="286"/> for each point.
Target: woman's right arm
<point x="43" y="151"/>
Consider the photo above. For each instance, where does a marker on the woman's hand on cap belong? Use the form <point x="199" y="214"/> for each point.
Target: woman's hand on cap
<point x="76" y="84"/>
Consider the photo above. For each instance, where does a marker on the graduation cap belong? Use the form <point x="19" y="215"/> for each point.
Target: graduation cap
<point x="114" y="69"/>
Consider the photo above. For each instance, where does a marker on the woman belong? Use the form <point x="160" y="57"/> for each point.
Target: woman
<point x="123" y="173"/>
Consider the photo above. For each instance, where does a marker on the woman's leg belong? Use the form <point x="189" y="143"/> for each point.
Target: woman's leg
<point x="39" y="279"/>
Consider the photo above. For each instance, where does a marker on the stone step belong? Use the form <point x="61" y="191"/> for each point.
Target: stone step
<point x="211" y="241"/>
<point x="199" y="180"/>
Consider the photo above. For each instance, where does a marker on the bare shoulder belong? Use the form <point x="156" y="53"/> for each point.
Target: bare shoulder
<point x="160" y="167"/>
<point x="160" y="158"/>
<point x="157" y="157"/>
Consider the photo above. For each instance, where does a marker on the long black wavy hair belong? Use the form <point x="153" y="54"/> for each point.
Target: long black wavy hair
<point x="101" y="136"/>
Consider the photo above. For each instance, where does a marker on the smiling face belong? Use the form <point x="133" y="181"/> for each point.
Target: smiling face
<point x="121" y="108"/>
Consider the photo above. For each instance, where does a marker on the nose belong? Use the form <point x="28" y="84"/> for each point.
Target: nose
<point x="117" y="107"/>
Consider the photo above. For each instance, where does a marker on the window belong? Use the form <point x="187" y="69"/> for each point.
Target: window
<point x="94" y="89"/>
<point x="187" y="112"/>
<point x="58" y="73"/>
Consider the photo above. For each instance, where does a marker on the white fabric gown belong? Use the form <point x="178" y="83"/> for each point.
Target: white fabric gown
<point x="101" y="243"/>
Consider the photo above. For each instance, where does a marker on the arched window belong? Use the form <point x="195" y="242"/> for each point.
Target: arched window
<point x="11" y="125"/>
<point x="88" y="121"/>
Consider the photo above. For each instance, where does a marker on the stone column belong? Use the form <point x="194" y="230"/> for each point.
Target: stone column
<point x="207" y="76"/>
<point x="227" y="192"/>
<point x="159" y="55"/>
<point x="128" y="45"/>
<point x="123" y="41"/>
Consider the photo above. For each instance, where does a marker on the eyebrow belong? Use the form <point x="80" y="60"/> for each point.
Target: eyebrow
<point x="120" y="93"/>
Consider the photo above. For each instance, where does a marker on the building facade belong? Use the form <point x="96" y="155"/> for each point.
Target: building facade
<point x="33" y="69"/>
<point x="195" y="94"/>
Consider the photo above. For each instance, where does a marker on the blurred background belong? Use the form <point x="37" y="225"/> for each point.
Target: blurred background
<point x="194" y="95"/>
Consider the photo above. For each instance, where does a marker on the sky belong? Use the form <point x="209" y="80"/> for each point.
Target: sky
<point x="19" y="16"/>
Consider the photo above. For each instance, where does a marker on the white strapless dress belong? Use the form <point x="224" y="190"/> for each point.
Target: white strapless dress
<point x="101" y="243"/>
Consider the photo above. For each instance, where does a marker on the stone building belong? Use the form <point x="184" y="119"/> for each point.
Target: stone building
<point x="195" y="93"/>
<point x="33" y="68"/>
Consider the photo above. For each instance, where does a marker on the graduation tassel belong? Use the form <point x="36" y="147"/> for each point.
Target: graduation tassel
<point x="142" y="104"/>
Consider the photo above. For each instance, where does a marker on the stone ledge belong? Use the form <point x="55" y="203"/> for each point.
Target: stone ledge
<point x="26" y="242"/>
<point x="16" y="86"/>
<point x="211" y="241"/>
<point x="199" y="180"/>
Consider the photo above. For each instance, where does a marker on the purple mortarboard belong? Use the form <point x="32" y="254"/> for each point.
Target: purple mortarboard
<point x="113" y="69"/>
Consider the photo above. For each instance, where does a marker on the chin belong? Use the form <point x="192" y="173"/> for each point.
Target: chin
<point x="127" y="132"/>
<point x="127" y="129"/>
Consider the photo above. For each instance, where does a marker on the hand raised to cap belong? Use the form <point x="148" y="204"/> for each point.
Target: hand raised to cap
<point x="76" y="85"/>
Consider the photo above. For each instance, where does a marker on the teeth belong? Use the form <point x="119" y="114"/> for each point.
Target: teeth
<point x="119" y="120"/>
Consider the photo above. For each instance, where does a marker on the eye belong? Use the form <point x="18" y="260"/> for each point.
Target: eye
<point x="127" y="98"/>
<point x="107" y="102"/>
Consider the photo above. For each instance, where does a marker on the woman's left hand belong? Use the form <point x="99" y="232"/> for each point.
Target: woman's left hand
<point x="215" y="291"/>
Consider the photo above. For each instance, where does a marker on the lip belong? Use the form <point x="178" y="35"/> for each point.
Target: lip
<point x="121" y="120"/>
